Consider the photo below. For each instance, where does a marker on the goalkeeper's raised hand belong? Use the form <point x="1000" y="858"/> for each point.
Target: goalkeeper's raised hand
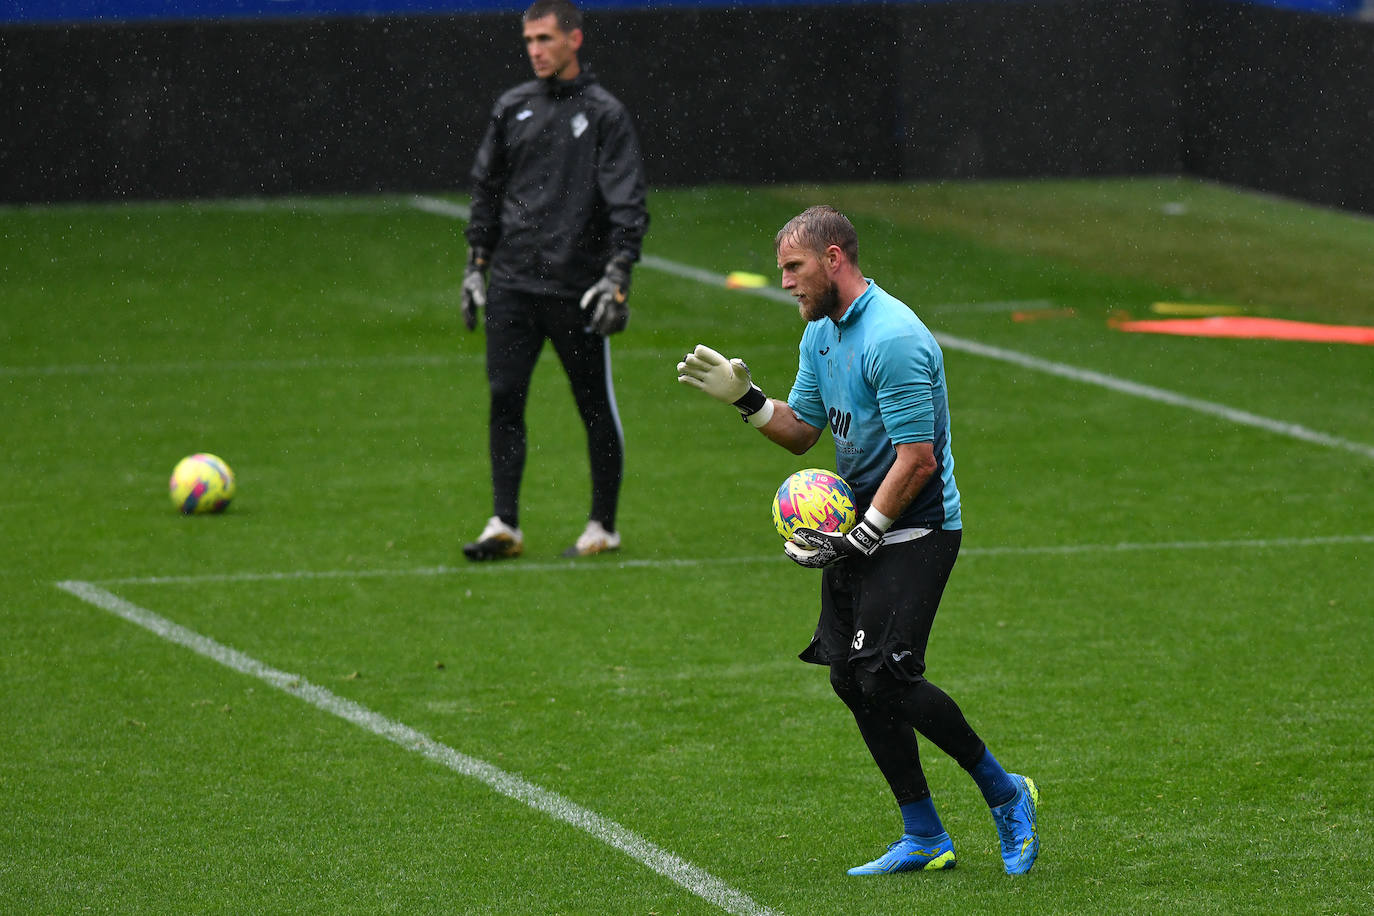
<point x="605" y="302"/>
<point x="726" y="380"/>
<point x="821" y="548"/>
<point x="475" y="285"/>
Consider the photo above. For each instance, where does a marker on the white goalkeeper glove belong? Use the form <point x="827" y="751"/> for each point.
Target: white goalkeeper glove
<point x="475" y="285"/>
<point x="726" y="380"/>
<point x="605" y="303"/>
<point x="821" y="548"/>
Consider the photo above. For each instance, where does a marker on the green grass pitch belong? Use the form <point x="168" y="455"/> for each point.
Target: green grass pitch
<point x="1164" y="612"/>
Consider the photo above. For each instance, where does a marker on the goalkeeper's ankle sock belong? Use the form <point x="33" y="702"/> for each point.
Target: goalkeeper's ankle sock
<point x="919" y="818"/>
<point x="997" y="787"/>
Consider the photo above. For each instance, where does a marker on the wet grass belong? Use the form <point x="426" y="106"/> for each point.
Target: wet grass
<point x="1161" y="614"/>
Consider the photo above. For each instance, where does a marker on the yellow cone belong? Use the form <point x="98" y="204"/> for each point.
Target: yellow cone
<point x="739" y="279"/>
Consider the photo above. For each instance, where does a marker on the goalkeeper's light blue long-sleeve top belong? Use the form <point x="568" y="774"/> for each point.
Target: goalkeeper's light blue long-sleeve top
<point x="874" y="378"/>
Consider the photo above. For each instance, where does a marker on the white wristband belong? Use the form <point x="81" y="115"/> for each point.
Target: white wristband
<point x="878" y="520"/>
<point x="760" y="417"/>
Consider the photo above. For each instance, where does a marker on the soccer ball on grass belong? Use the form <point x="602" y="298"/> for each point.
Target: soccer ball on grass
<point x="201" y="483"/>
<point x="814" y="498"/>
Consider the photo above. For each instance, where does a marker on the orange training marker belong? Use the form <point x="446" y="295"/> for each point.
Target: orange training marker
<point x="1254" y="328"/>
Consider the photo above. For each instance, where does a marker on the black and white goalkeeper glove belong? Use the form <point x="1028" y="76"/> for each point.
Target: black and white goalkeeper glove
<point x="475" y="285"/>
<point x="821" y="548"/>
<point x="604" y="304"/>
<point x="726" y="380"/>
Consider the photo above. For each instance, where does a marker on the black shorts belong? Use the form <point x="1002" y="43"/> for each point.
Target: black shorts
<point x="877" y="612"/>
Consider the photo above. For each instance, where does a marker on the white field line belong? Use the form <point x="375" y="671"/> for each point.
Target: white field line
<point x="694" y="879"/>
<point x="453" y="210"/>
<point x="1063" y="370"/>
<point x="1159" y="395"/>
<point x="570" y="566"/>
<point x="440" y="207"/>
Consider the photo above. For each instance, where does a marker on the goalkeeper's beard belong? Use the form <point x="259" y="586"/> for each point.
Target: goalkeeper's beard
<point x="824" y="306"/>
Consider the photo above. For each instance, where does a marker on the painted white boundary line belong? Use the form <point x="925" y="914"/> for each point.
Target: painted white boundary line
<point x="1063" y="370"/>
<point x="441" y="207"/>
<point x="570" y="566"/>
<point x="697" y="881"/>
<point x="1151" y="393"/>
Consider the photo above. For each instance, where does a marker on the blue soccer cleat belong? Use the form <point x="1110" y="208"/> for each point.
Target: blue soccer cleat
<point x="1016" y="827"/>
<point x="911" y="853"/>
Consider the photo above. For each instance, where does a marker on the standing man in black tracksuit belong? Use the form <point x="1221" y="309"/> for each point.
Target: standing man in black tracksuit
<point x="558" y="215"/>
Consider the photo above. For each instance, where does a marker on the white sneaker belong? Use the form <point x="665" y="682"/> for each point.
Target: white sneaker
<point x="594" y="539"/>
<point x="498" y="541"/>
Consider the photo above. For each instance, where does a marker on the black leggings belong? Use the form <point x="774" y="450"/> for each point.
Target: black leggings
<point x="887" y="709"/>
<point x="885" y="606"/>
<point x="517" y="324"/>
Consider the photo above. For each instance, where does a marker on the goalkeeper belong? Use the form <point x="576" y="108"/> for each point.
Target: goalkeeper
<point x="871" y="371"/>
<point x="558" y="216"/>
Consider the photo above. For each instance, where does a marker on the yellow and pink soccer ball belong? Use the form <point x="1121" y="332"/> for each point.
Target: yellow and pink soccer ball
<point x="201" y="483"/>
<point x="814" y="498"/>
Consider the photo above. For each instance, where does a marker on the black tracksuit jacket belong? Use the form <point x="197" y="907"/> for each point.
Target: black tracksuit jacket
<point x="558" y="187"/>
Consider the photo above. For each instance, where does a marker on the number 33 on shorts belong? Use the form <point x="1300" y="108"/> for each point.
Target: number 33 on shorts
<point x="858" y="642"/>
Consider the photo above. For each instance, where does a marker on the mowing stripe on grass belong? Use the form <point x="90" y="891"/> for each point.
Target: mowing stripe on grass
<point x="1151" y="393"/>
<point x="697" y="881"/>
<point x="1063" y="370"/>
<point x="348" y="363"/>
<point x="601" y="566"/>
<point x="239" y="365"/>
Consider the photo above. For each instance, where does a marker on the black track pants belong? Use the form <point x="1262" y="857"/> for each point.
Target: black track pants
<point x="517" y="324"/>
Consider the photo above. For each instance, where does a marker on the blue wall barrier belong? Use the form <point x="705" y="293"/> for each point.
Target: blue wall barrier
<point x="88" y="11"/>
<point x="81" y="11"/>
<point x="1327" y="7"/>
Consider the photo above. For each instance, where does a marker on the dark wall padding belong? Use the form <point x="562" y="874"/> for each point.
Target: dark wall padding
<point x="753" y="95"/>
<point x="358" y="105"/>
<point x="1249" y="95"/>
<point x="1012" y="90"/>
<point x="1281" y="102"/>
<point x="202" y="109"/>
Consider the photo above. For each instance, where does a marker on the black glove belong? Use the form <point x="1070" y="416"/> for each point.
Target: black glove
<point x="821" y="548"/>
<point x="604" y="303"/>
<point x="475" y="285"/>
